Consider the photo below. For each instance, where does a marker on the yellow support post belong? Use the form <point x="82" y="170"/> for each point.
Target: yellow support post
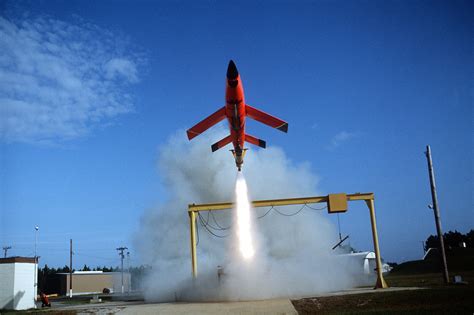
<point x="192" y="225"/>
<point x="380" y="284"/>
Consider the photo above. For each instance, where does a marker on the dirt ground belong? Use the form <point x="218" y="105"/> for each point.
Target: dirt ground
<point x="433" y="298"/>
<point x="270" y="307"/>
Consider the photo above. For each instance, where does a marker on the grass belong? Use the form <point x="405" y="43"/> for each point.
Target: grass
<point x="434" y="298"/>
<point x="445" y="300"/>
<point x="425" y="280"/>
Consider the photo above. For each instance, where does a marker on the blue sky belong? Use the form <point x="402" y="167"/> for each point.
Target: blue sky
<point x="89" y="91"/>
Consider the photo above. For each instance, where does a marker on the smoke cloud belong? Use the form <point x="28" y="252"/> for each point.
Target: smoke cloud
<point x="293" y="253"/>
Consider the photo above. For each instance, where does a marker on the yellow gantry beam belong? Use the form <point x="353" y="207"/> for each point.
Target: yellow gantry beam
<point x="276" y="202"/>
<point x="367" y="197"/>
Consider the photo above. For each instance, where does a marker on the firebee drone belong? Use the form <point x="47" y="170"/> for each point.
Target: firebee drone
<point x="235" y="110"/>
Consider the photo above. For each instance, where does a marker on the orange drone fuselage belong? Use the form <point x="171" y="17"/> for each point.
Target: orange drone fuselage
<point x="236" y="110"/>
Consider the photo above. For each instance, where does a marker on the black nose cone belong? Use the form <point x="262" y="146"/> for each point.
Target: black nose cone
<point x="232" y="72"/>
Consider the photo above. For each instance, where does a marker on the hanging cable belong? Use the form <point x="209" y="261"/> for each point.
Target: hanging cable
<point x="339" y="227"/>
<point x="289" y="215"/>
<point x="207" y="229"/>
<point x="316" y="209"/>
<point x="207" y="224"/>
<point x="197" y="232"/>
<point x="215" y="221"/>
<point x="218" y="228"/>
<point x="207" y="221"/>
<point x="262" y="216"/>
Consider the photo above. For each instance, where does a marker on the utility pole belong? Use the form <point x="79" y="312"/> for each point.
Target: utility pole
<point x="5" y="250"/>
<point x="434" y="198"/>
<point x="128" y="270"/>
<point x="70" y="268"/>
<point x="35" y="283"/>
<point x="122" y="256"/>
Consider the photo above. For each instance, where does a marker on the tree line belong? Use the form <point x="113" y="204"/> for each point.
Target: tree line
<point x="451" y="240"/>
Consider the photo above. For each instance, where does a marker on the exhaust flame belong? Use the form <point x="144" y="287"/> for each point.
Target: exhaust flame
<point x="244" y="231"/>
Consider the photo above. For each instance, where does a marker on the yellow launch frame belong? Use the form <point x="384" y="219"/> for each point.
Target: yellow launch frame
<point x="193" y="209"/>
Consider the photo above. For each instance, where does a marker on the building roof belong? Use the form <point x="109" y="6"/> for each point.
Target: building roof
<point x="17" y="259"/>
<point x="369" y="255"/>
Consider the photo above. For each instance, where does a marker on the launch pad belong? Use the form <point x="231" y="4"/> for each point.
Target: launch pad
<point x="336" y="203"/>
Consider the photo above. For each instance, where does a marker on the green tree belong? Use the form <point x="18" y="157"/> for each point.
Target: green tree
<point x="451" y="240"/>
<point x="470" y="239"/>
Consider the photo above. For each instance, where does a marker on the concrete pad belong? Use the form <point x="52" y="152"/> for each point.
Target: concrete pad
<point x="281" y="306"/>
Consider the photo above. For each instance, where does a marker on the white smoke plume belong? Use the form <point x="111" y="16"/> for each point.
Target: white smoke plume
<point x="293" y="253"/>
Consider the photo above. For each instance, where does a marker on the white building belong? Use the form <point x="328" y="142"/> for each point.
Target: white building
<point x="363" y="266"/>
<point x="365" y="261"/>
<point x="17" y="284"/>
